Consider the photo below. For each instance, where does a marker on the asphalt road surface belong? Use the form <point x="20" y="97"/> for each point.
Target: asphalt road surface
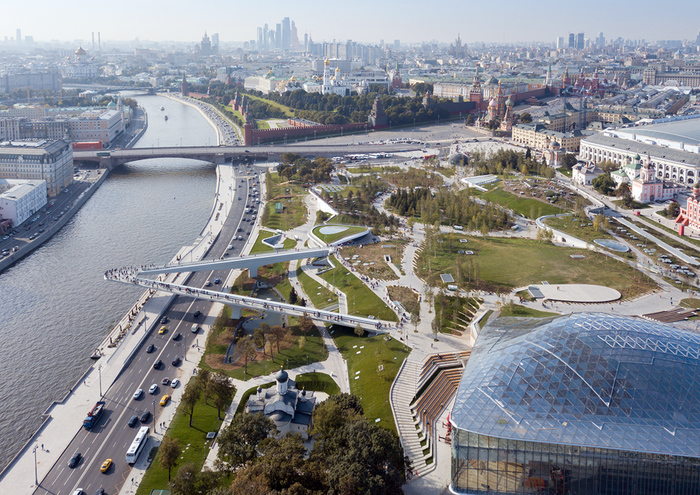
<point x="111" y="437"/>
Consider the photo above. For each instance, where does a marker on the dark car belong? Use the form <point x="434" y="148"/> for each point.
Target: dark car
<point x="75" y="460"/>
<point x="145" y="416"/>
<point x="101" y="491"/>
<point x="197" y="314"/>
<point x="133" y="420"/>
<point x="207" y="284"/>
<point x="164" y="320"/>
<point x="177" y="361"/>
<point x="217" y="281"/>
<point x="177" y="336"/>
<point x="150" y="348"/>
<point x="157" y="365"/>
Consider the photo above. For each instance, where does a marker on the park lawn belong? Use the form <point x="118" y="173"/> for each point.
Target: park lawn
<point x="329" y="238"/>
<point x="259" y="247"/>
<point x="262" y="124"/>
<point x="406" y="297"/>
<point x="372" y="386"/>
<point x="414" y="177"/>
<point x="292" y="215"/>
<point x="366" y="169"/>
<point x="318" y="294"/>
<point x="671" y="237"/>
<point x="691" y="302"/>
<point x="290" y="357"/>
<point x="374" y="253"/>
<point x="574" y="226"/>
<point x="527" y="207"/>
<point x="193" y="444"/>
<point x="502" y="264"/>
<point x="455" y="313"/>
<point x="289" y="112"/>
<point x="362" y="301"/>
<point x="524" y="312"/>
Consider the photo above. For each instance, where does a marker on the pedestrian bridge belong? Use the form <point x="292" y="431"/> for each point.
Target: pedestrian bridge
<point x="237" y="303"/>
<point x="248" y="262"/>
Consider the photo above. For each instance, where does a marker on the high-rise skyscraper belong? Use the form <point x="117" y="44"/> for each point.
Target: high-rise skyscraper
<point x="600" y="40"/>
<point x="560" y="42"/>
<point x="260" y="38"/>
<point x="266" y="38"/>
<point x="278" y="36"/>
<point x="572" y="42"/>
<point x="295" y="37"/>
<point x="579" y="41"/>
<point x="286" y="34"/>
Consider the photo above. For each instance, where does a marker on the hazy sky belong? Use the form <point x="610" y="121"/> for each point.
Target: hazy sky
<point x="360" y="20"/>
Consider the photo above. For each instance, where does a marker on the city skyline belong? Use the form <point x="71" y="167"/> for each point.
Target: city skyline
<point x="409" y="21"/>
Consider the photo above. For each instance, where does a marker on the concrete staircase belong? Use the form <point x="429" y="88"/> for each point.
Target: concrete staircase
<point x="402" y="392"/>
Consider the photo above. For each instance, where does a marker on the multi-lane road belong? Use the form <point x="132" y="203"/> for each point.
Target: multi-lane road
<point x="111" y="437"/>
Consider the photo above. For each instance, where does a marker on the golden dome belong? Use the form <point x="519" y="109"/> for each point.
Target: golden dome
<point x="327" y="62"/>
<point x="337" y="69"/>
<point x="80" y="51"/>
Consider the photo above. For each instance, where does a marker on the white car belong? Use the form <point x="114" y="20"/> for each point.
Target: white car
<point x="153" y="389"/>
<point x="175" y="383"/>
<point x="138" y="393"/>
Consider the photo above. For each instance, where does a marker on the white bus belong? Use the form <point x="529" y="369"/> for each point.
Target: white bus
<point x="137" y="445"/>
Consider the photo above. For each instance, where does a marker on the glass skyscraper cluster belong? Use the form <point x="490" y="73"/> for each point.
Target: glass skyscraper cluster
<point x="580" y="404"/>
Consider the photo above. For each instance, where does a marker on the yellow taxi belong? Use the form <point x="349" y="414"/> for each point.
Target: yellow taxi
<point x="162" y="330"/>
<point x="164" y="400"/>
<point x="106" y="465"/>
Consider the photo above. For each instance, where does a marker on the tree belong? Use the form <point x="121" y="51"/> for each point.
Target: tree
<point x="222" y="390"/>
<point x="190" y="396"/>
<point x="568" y="160"/>
<point x="259" y="338"/>
<point x="528" y="151"/>
<point x="169" y="451"/>
<point x="202" y="382"/>
<point x="623" y="190"/>
<point x="282" y="461"/>
<point x="525" y="118"/>
<point x="672" y="210"/>
<point x="245" y="348"/>
<point x="238" y="443"/>
<point x="306" y="324"/>
<point x="415" y="319"/>
<point x="185" y="481"/>
<point x="436" y="325"/>
<point x="293" y="297"/>
<point x="600" y="222"/>
<point x="603" y="184"/>
<point x="279" y="333"/>
<point x="359" y="331"/>
<point x="544" y="235"/>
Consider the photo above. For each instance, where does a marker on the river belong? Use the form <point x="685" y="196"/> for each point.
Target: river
<point x="55" y="307"/>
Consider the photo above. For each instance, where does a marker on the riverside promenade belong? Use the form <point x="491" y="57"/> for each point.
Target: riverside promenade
<point x="63" y="419"/>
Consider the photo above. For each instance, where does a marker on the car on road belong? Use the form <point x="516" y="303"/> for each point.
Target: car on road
<point x="207" y="284"/>
<point x="78" y="491"/>
<point x="177" y="361"/>
<point x="175" y="383"/>
<point x="100" y="491"/>
<point x="177" y="335"/>
<point x="164" y="320"/>
<point x="133" y="420"/>
<point x="162" y="330"/>
<point x="217" y="281"/>
<point x="145" y="416"/>
<point x="165" y="382"/>
<point x="153" y="389"/>
<point x="106" y="465"/>
<point x="230" y="246"/>
<point x="150" y="348"/>
<point x="164" y="400"/>
<point x="157" y="365"/>
<point x="75" y="460"/>
<point x="138" y="393"/>
<point x="197" y="314"/>
<point x="195" y="328"/>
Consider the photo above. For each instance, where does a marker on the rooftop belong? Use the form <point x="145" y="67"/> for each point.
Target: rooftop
<point x="683" y="131"/>
<point x="585" y="379"/>
<point x="658" y="152"/>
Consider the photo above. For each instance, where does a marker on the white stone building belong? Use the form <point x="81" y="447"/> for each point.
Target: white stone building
<point x="22" y="199"/>
<point x="51" y="161"/>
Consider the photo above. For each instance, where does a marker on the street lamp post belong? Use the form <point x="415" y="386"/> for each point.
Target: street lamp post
<point x="36" y="474"/>
<point x="154" y="416"/>
<point x="99" y="370"/>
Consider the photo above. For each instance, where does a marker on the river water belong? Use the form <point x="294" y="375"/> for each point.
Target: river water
<point x="55" y="307"/>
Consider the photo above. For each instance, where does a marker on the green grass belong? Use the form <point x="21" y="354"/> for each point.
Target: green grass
<point x="294" y="212"/>
<point x="671" y="237"/>
<point x="259" y="247"/>
<point x="320" y="382"/>
<point x="691" y="302"/>
<point x="289" y="358"/>
<point x="329" y="238"/>
<point x="530" y="208"/>
<point x="455" y="312"/>
<point x="319" y="296"/>
<point x="576" y="227"/>
<point x="372" y="386"/>
<point x="289" y="112"/>
<point x="502" y="264"/>
<point x="524" y="311"/>
<point x="362" y="301"/>
<point x="262" y="124"/>
<point x="204" y="421"/>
